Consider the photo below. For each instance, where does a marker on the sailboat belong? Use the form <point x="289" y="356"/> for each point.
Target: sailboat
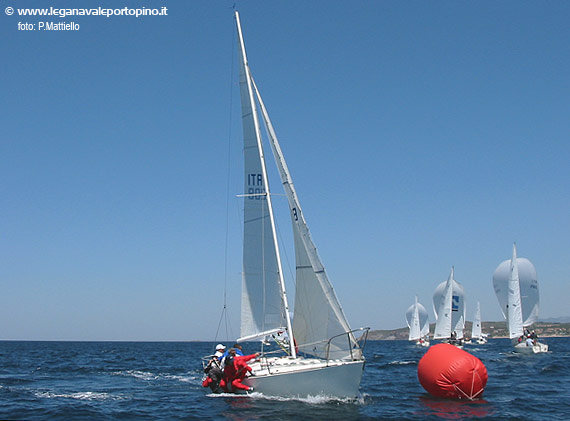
<point x="418" y="322"/>
<point x="323" y="355"/>
<point x="476" y="334"/>
<point x="516" y="287"/>
<point x="449" y="309"/>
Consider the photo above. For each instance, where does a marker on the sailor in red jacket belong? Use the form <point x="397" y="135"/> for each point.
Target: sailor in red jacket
<point x="236" y="369"/>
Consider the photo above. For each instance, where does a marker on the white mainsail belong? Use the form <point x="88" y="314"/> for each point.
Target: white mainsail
<point x="263" y="308"/>
<point x="417" y="319"/>
<point x="516" y="287"/>
<point x="449" y="308"/>
<point x="476" y="328"/>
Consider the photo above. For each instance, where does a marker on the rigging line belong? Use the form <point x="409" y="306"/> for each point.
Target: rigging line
<point x="228" y="324"/>
<point x="228" y="177"/>
<point x="220" y="323"/>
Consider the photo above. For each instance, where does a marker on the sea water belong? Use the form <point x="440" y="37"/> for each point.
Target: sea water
<point x="162" y="380"/>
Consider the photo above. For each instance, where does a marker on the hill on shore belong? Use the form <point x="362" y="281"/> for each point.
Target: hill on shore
<point x="493" y="329"/>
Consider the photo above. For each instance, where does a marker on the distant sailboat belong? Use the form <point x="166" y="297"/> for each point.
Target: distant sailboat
<point x="476" y="334"/>
<point x="323" y="356"/>
<point x="418" y="322"/>
<point x="449" y="309"/>
<point x="516" y="287"/>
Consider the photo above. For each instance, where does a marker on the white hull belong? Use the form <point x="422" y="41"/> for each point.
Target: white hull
<point x="535" y="349"/>
<point x="301" y="377"/>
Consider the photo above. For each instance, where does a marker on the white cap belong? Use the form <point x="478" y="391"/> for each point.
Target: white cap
<point x="220" y="346"/>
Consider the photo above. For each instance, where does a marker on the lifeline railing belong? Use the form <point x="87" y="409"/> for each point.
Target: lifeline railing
<point x="352" y="342"/>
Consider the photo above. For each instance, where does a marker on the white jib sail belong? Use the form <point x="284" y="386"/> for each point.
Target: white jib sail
<point x="318" y="316"/>
<point x="417" y="319"/>
<point x="516" y="287"/>
<point x="514" y="310"/>
<point x="528" y="287"/>
<point x="424" y="320"/>
<point x="262" y="307"/>
<point x="413" y="320"/>
<point x="476" y="329"/>
<point x="449" y="308"/>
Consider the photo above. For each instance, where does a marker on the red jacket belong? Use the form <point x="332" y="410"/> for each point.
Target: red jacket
<point x="238" y="369"/>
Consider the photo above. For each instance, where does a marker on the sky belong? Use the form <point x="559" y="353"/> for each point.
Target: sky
<point x="420" y="136"/>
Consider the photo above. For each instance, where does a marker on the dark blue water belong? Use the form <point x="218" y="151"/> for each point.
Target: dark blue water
<point x="110" y="380"/>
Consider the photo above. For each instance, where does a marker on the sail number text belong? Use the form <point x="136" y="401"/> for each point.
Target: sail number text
<point x="255" y="189"/>
<point x="455" y="303"/>
<point x="295" y="214"/>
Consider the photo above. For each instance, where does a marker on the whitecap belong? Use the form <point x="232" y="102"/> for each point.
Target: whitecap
<point x="99" y="396"/>
<point x="143" y="375"/>
<point x="313" y="400"/>
<point x="402" y="362"/>
<point x="183" y="379"/>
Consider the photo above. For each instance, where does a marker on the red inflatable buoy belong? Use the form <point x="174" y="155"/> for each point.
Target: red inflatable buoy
<point x="449" y="372"/>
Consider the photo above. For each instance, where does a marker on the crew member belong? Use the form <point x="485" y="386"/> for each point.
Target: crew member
<point x="236" y="370"/>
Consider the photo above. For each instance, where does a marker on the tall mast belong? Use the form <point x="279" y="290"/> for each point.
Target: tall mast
<point x="266" y="183"/>
<point x="514" y="310"/>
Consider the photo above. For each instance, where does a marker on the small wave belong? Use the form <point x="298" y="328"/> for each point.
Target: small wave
<point x="313" y="400"/>
<point x="147" y="376"/>
<point x="143" y="375"/>
<point x="90" y="396"/>
<point x="402" y="362"/>
<point x="553" y="368"/>
<point x="229" y="395"/>
<point x="183" y="379"/>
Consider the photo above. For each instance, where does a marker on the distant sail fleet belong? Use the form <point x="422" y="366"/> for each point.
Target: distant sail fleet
<point x="516" y="286"/>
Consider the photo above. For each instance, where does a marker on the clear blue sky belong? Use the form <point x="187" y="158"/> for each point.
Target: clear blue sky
<point x="420" y="135"/>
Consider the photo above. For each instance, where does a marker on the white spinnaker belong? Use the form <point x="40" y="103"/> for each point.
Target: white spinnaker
<point x="528" y="286"/>
<point x="449" y="308"/>
<point x="318" y="315"/>
<point x="476" y="329"/>
<point x="261" y="306"/>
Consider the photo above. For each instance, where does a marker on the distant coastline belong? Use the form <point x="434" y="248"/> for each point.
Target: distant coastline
<point x="493" y="329"/>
